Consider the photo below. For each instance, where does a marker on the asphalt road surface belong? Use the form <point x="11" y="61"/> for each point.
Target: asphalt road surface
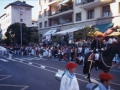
<point x="32" y="73"/>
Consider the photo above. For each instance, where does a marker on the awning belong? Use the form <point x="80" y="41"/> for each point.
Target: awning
<point x="95" y="34"/>
<point x="69" y="30"/>
<point x="63" y="2"/>
<point x="50" y="32"/>
<point x="104" y="27"/>
<point x="114" y="34"/>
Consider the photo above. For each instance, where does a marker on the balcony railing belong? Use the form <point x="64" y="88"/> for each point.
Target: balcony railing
<point x="61" y="10"/>
<point x="87" y="4"/>
<point x="51" y="0"/>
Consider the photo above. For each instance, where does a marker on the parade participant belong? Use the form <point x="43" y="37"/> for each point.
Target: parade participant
<point x="97" y="44"/>
<point x="105" y="81"/>
<point x="69" y="80"/>
<point x="10" y="52"/>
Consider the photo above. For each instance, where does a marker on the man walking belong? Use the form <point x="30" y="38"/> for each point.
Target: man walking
<point x="69" y="80"/>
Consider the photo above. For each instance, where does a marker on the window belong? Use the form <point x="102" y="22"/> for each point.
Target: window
<point x="27" y="8"/>
<point x="45" y="23"/>
<point x="45" y="12"/>
<point x="40" y="25"/>
<point x="40" y="14"/>
<point x="39" y="2"/>
<point x="21" y="20"/>
<point x="78" y="2"/>
<point x="90" y="14"/>
<point x="45" y="1"/>
<point x="106" y="11"/>
<point x="78" y="17"/>
<point x="40" y="7"/>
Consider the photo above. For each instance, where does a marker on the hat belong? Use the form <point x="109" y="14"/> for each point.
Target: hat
<point x="100" y="36"/>
<point x="71" y="65"/>
<point x="105" y="76"/>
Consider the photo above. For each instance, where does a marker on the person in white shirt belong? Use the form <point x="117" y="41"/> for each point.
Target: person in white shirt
<point x="110" y="41"/>
<point x="114" y="39"/>
<point x="69" y="80"/>
<point x="87" y="50"/>
<point x="80" y="50"/>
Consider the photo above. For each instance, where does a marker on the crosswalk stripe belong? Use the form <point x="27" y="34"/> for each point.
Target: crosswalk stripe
<point x="4" y="60"/>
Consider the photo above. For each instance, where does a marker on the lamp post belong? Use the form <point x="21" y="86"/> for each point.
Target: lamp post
<point x="20" y="27"/>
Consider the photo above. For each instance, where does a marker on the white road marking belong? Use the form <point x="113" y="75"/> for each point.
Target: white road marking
<point x="17" y="58"/>
<point x="30" y="63"/>
<point x="30" y="58"/>
<point x="42" y="66"/>
<point x="22" y="86"/>
<point x="64" y="70"/>
<point x="4" y="60"/>
<point x="6" y="76"/>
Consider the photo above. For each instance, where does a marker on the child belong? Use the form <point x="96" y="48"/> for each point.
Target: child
<point x="69" y="80"/>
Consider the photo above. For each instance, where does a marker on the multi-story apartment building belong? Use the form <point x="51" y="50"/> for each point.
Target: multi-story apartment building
<point x="67" y="14"/>
<point x="16" y="12"/>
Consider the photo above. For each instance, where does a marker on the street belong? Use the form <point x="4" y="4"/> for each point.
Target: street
<point x="31" y="73"/>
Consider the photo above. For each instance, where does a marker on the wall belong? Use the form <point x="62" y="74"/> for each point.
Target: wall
<point x="43" y="18"/>
<point x="98" y="19"/>
<point x="26" y="15"/>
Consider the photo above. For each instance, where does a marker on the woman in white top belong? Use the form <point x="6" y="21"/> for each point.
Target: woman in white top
<point x="49" y="53"/>
<point x="69" y="80"/>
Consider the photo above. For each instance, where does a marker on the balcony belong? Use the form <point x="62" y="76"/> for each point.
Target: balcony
<point x="94" y="3"/>
<point x="61" y="11"/>
<point x="60" y="20"/>
<point x="51" y="2"/>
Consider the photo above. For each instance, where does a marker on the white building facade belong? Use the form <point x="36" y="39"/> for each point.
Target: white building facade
<point x="67" y="14"/>
<point x="16" y="12"/>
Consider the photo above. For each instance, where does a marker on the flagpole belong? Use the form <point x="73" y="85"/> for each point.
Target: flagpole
<point x="21" y="28"/>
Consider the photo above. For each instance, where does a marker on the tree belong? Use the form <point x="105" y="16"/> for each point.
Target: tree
<point x="88" y="31"/>
<point x="85" y="32"/>
<point x="34" y="37"/>
<point x="13" y="34"/>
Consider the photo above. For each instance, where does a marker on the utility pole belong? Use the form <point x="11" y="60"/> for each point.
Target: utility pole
<point x="21" y="27"/>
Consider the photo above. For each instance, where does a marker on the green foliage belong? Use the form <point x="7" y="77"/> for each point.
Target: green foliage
<point x="34" y="37"/>
<point x="56" y="39"/>
<point x="85" y="32"/>
<point x="13" y="34"/>
<point x="77" y="35"/>
<point x="88" y="31"/>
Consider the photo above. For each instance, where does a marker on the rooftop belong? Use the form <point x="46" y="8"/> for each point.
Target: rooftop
<point x="20" y="3"/>
<point x="3" y="15"/>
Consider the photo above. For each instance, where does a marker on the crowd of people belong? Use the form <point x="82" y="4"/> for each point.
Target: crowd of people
<point x="72" y="52"/>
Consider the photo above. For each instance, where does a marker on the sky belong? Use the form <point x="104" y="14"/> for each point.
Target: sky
<point x="34" y="3"/>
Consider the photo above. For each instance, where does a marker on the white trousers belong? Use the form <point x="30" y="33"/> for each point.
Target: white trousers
<point x="10" y="56"/>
